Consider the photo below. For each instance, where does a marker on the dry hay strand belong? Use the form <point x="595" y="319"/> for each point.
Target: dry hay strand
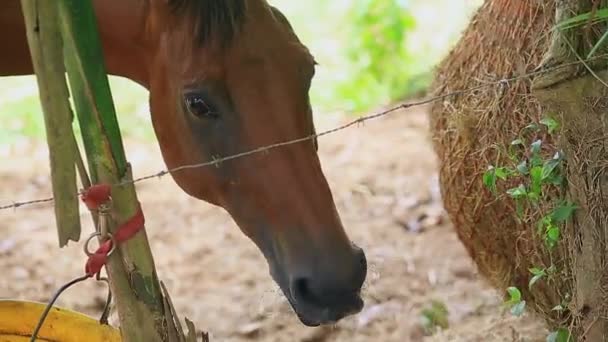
<point x="474" y="130"/>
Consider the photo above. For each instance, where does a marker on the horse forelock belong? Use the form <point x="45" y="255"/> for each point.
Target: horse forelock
<point x="217" y="19"/>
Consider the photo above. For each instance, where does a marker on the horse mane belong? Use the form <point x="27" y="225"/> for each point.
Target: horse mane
<point x="219" y="19"/>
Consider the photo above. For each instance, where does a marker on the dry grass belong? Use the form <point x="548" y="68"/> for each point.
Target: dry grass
<point x="473" y="131"/>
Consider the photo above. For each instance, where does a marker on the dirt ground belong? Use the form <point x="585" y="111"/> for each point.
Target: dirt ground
<point x="383" y="176"/>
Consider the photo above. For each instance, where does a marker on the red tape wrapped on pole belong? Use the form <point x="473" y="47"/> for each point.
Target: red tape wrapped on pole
<point x="94" y="197"/>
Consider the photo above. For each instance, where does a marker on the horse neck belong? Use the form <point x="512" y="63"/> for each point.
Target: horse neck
<point x="121" y="26"/>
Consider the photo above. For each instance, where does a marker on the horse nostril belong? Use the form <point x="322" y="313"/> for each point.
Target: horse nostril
<point x="300" y="290"/>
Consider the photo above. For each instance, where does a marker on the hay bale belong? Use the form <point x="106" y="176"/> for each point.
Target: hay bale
<point x="474" y="130"/>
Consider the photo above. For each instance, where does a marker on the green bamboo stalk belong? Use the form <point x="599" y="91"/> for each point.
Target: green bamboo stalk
<point x="44" y="39"/>
<point x="145" y="310"/>
<point x="78" y="25"/>
<point x="131" y="271"/>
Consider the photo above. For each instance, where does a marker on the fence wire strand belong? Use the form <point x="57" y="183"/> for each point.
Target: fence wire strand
<point x="358" y="121"/>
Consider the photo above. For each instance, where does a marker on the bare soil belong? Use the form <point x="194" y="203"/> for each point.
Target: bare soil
<point x="384" y="178"/>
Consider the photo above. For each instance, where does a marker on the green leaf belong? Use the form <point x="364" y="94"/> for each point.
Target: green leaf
<point x="517" y="305"/>
<point x="535" y="149"/>
<point x="503" y="172"/>
<point x="518" y="192"/>
<point x="555" y="179"/>
<point x="597" y="45"/>
<point x="548" y="168"/>
<point x="536" y="176"/>
<point x="560" y="335"/>
<point x="489" y="179"/>
<point x="518" y="309"/>
<point x="537" y="271"/>
<point x="552" y="236"/>
<point x="544" y="222"/>
<point x="434" y="316"/>
<point x="534" y="280"/>
<point x="558" y="307"/>
<point x="514" y="294"/>
<point x="538" y="275"/>
<point x="551" y="124"/>
<point x="534" y="196"/>
<point x="523" y="168"/>
<point x="581" y="19"/>
<point x="536" y="160"/>
<point x="553" y="233"/>
<point x="536" y="146"/>
<point x="563" y="212"/>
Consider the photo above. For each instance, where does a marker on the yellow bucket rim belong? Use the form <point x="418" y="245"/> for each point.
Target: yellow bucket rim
<point x="18" y="319"/>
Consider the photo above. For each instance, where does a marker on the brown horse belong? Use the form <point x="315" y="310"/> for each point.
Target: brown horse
<point x="227" y="76"/>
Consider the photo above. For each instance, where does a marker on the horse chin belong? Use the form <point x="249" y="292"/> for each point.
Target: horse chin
<point x="315" y="316"/>
<point x="312" y="316"/>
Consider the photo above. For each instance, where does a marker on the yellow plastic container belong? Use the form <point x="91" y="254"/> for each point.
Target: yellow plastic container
<point x="18" y="320"/>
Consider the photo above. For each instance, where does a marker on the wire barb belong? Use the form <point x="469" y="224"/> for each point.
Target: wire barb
<point x="504" y="82"/>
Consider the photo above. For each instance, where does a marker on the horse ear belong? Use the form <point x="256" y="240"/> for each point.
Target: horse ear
<point x="281" y="18"/>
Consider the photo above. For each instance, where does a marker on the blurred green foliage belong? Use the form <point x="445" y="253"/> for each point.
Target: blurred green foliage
<point x="21" y="112"/>
<point x="370" y="53"/>
<point x="374" y="52"/>
<point x="377" y="54"/>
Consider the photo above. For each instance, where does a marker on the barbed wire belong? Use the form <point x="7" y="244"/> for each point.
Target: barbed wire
<point x="358" y="121"/>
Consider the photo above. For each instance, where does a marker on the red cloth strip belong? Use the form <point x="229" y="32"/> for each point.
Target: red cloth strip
<point x="94" y="197"/>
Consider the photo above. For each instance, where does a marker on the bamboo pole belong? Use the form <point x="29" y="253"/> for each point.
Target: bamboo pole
<point x="144" y="309"/>
<point x="131" y="271"/>
<point x="45" y="44"/>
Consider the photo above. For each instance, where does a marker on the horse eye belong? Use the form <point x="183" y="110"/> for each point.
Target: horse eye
<point x="198" y="107"/>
